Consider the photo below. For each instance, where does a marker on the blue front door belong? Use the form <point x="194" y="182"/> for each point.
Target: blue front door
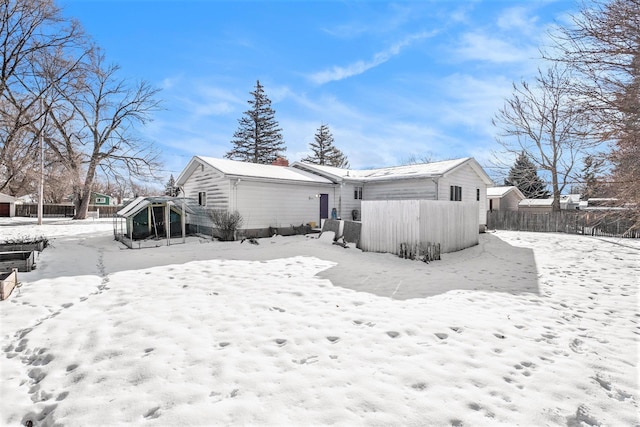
<point x="324" y="207"/>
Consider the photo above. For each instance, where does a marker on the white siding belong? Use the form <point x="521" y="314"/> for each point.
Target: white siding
<point x="469" y="180"/>
<point x="510" y="202"/>
<point x="406" y="189"/>
<point x="268" y="204"/>
<point x="211" y="181"/>
<point x="387" y="224"/>
<point x="349" y="203"/>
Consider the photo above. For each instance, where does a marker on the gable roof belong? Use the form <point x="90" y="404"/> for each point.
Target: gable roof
<point x="5" y="198"/>
<point x="503" y="191"/>
<point x="237" y="169"/>
<point x="95" y="193"/>
<point x="421" y="170"/>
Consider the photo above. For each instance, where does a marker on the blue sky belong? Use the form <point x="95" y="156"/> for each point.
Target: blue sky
<point x="392" y="80"/>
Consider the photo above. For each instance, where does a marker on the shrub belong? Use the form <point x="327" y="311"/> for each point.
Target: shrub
<point x="227" y="223"/>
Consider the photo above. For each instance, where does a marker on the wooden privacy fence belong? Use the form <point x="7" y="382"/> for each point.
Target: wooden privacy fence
<point x="592" y="223"/>
<point x="31" y="210"/>
<point x="388" y="223"/>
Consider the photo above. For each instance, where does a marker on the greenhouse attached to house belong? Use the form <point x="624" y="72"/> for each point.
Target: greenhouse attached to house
<point x="148" y="221"/>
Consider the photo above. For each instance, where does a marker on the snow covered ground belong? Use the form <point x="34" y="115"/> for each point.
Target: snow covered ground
<point x="524" y="329"/>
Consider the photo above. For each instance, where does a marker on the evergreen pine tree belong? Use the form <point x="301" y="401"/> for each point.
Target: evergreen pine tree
<point x="324" y="152"/>
<point x="259" y="137"/>
<point x="170" y="188"/>
<point x="523" y="174"/>
<point x="592" y="183"/>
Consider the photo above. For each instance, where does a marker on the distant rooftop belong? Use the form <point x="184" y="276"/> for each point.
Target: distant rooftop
<point x="499" y="191"/>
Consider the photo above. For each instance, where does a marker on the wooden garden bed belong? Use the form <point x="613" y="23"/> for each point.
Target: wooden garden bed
<point x="21" y="260"/>
<point x="8" y="281"/>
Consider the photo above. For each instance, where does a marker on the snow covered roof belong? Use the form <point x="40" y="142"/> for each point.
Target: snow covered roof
<point x="503" y="191"/>
<point x="536" y="202"/>
<point x="421" y="170"/>
<point x="572" y="198"/>
<point x="234" y="168"/>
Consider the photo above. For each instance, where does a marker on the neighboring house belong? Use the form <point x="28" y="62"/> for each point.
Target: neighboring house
<point x="455" y="180"/>
<point x="7" y="205"/>
<point x="99" y="199"/>
<point x="504" y="198"/>
<point x="535" y="205"/>
<point x="567" y="202"/>
<point x="570" y="201"/>
<point x="265" y="195"/>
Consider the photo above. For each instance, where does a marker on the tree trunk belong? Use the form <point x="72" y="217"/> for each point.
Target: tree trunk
<point x="82" y="206"/>
<point x="555" y="206"/>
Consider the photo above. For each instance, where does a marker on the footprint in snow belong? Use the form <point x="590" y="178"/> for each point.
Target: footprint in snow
<point x="153" y="413"/>
<point x="306" y="360"/>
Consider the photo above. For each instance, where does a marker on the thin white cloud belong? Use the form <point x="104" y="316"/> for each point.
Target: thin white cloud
<point x="339" y="73"/>
<point x="369" y="21"/>
<point x="481" y="47"/>
<point x="520" y="19"/>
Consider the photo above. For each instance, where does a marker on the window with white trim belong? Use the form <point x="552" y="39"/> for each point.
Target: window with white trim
<point x="202" y="198"/>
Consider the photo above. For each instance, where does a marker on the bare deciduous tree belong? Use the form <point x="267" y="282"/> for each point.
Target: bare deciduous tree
<point x="32" y="34"/>
<point x="543" y="122"/>
<point x="94" y="113"/>
<point x="602" y="45"/>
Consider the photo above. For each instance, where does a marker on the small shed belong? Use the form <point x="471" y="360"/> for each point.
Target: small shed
<point x="157" y="218"/>
<point x="7" y="205"/>
<point x="504" y="198"/>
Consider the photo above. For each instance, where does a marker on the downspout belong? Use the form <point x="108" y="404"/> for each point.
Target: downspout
<point x="183" y="220"/>
<point x="167" y="223"/>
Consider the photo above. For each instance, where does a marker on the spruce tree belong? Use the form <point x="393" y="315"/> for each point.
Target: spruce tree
<point x="592" y="177"/>
<point x="523" y="174"/>
<point x="170" y="188"/>
<point x="259" y="137"/>
<point x="324" y="152"/>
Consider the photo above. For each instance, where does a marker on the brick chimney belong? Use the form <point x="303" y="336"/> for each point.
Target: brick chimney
<point x="281" y="161"/>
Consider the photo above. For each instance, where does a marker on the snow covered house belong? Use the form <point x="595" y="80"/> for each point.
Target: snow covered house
<point x="567" y="202"/>
<point x="452" y="180"/>
<point x="535" y="205"/>
<point x="279" y="196"/>
<point x="266" y="196"/>
<point x="570" y="201"/>
<point x="504" y="198"/>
